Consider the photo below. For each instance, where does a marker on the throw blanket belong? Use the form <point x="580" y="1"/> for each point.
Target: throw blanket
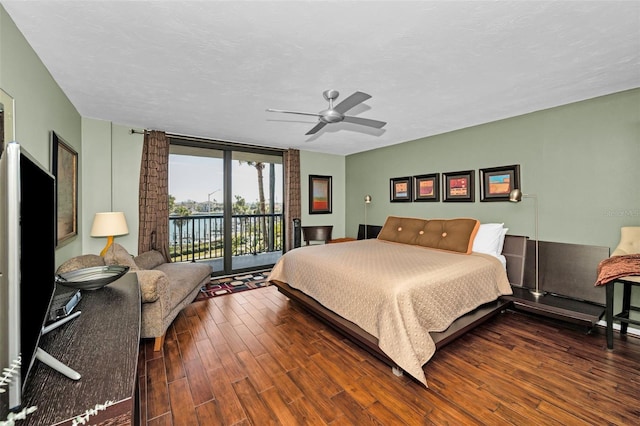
<point x="395" y="292"/>
<point x="617" y="267"/>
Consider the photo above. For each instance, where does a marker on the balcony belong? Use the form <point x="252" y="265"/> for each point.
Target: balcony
<point x="256" y="240"/>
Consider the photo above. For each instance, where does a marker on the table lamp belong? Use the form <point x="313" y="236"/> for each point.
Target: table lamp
<point x="109" y="224"/>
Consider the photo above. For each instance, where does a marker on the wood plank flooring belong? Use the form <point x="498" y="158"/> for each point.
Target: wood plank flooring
<point x="254" y="358"/>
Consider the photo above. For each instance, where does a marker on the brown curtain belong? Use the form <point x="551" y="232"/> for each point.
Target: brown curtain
<point x="292" y="208"/>
<point x="153" y="233"/>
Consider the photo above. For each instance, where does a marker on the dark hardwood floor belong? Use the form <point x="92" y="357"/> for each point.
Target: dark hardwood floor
<point x="254" y="358"/>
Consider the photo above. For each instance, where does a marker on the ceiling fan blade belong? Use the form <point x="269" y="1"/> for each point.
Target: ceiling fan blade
<point x="317" y="127"/>
<point x="364" y="121"/>
<point x="293" y="112"/>
<point x="351" y="101"/>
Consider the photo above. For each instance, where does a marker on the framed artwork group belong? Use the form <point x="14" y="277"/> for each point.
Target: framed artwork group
<point x="496" y="183"/>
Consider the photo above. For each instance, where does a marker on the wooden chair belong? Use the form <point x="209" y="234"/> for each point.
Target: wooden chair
<point x="316" y="233"/>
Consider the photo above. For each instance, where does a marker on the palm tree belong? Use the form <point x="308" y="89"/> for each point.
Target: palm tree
<point x="179" y="211"/>
<point x="262" y="205"/>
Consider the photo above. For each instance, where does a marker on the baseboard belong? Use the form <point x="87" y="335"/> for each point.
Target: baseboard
<point x="616" y="326"/>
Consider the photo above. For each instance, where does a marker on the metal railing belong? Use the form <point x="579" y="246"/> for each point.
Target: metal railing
<point x="201" y="237"/>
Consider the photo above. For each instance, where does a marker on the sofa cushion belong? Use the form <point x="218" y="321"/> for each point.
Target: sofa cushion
<point x="184" y="277"/>
<point x="118" y="255"/>
<point x="149" y="259"/>
<point x="80" y="262"/>
<point x="150" y="282"/>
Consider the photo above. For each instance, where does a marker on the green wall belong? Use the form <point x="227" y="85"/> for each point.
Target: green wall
<point x="581" y="160"/>
<point x="40" y="107"/>
<point x="313" y="163"/>
<point x="115" y="156"/>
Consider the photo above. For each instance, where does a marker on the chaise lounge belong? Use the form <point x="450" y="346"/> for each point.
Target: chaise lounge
<point x="165" y="288"/>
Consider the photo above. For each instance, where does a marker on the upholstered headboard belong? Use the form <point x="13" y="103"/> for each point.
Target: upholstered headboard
<point x="569" y="270"/>
<point x="443" y="234"/>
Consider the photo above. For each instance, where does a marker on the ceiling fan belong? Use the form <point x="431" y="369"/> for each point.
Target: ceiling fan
<point x="337" y="113"/>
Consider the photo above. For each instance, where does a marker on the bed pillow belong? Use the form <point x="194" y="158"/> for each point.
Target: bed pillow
<point x="455" y="235"/>
<point x="489" y="239"/>
<point x="401" y="229"/>
<point x="501" y="246"/>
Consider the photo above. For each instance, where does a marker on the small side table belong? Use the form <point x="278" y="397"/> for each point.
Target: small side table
<point x="625" y="315"/>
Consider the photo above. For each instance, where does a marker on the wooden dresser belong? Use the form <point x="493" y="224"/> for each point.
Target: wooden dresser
<point x="102" y="345"/>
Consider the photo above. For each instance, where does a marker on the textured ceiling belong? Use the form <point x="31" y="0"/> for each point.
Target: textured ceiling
<point x="211" y="68"/>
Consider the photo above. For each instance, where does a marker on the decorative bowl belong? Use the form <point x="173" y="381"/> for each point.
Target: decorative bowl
<point x="91" y="278"/>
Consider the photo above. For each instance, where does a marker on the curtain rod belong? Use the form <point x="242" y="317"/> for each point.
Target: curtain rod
<point x="200" y="139"/>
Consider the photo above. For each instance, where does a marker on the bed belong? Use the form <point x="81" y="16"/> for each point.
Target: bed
<point x="416" y="287"/>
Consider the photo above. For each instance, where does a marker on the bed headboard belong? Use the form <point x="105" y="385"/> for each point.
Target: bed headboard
<point x="514" y="250"/>
<point x="569" y="270"/>
<point x="372" y="231"/>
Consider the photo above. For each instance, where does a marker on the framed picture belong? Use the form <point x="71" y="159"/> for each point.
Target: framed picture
<point x="401" y="189"/>
<point x="319" y="194"/>
<point x="426" y="187"/>
<point x="498" y="182"/>
<point x="64" y="165"/>
<point x="459" y="186"/>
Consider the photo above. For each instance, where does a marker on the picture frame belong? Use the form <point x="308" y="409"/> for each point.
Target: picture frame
<point x="426" y="187"/>
<point x="401" y="189"/>
<point x="319" y="194"/>
<point x="459" y="186"/>
<point x="64" y="167"/>
<point x="498" y="182"/>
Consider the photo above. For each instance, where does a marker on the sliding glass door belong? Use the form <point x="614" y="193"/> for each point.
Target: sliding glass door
<point x="226" y="206"/>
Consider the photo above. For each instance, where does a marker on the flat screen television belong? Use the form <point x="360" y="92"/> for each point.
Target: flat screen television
<point x="27" y="259"/>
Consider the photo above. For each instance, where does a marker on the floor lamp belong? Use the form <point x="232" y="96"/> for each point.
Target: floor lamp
<point x="367" y="201"/>
<point x="516" y="196"/>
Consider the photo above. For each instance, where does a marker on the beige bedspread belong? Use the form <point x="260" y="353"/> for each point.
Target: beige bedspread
<point x="396" y="292"/>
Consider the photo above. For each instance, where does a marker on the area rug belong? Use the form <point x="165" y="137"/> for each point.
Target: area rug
<point x="219" y="286"/>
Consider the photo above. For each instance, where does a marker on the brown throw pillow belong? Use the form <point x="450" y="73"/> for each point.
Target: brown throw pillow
<point x="149" y="259"/>
<point x="80" y="262"/>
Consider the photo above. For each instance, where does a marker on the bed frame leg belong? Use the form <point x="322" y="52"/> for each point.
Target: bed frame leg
<point x="397" y="371"/>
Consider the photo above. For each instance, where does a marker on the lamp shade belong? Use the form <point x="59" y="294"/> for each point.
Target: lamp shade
<point x="109" y="224"/>
<point x="367" y="199"/>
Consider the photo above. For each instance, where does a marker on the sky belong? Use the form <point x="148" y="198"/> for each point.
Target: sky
<point x="194" y="178"/>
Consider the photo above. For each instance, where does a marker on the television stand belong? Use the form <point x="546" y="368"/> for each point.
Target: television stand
<point x="102" y="344"/>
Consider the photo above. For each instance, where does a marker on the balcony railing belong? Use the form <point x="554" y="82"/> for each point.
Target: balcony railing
<point x="201" y="237"/>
